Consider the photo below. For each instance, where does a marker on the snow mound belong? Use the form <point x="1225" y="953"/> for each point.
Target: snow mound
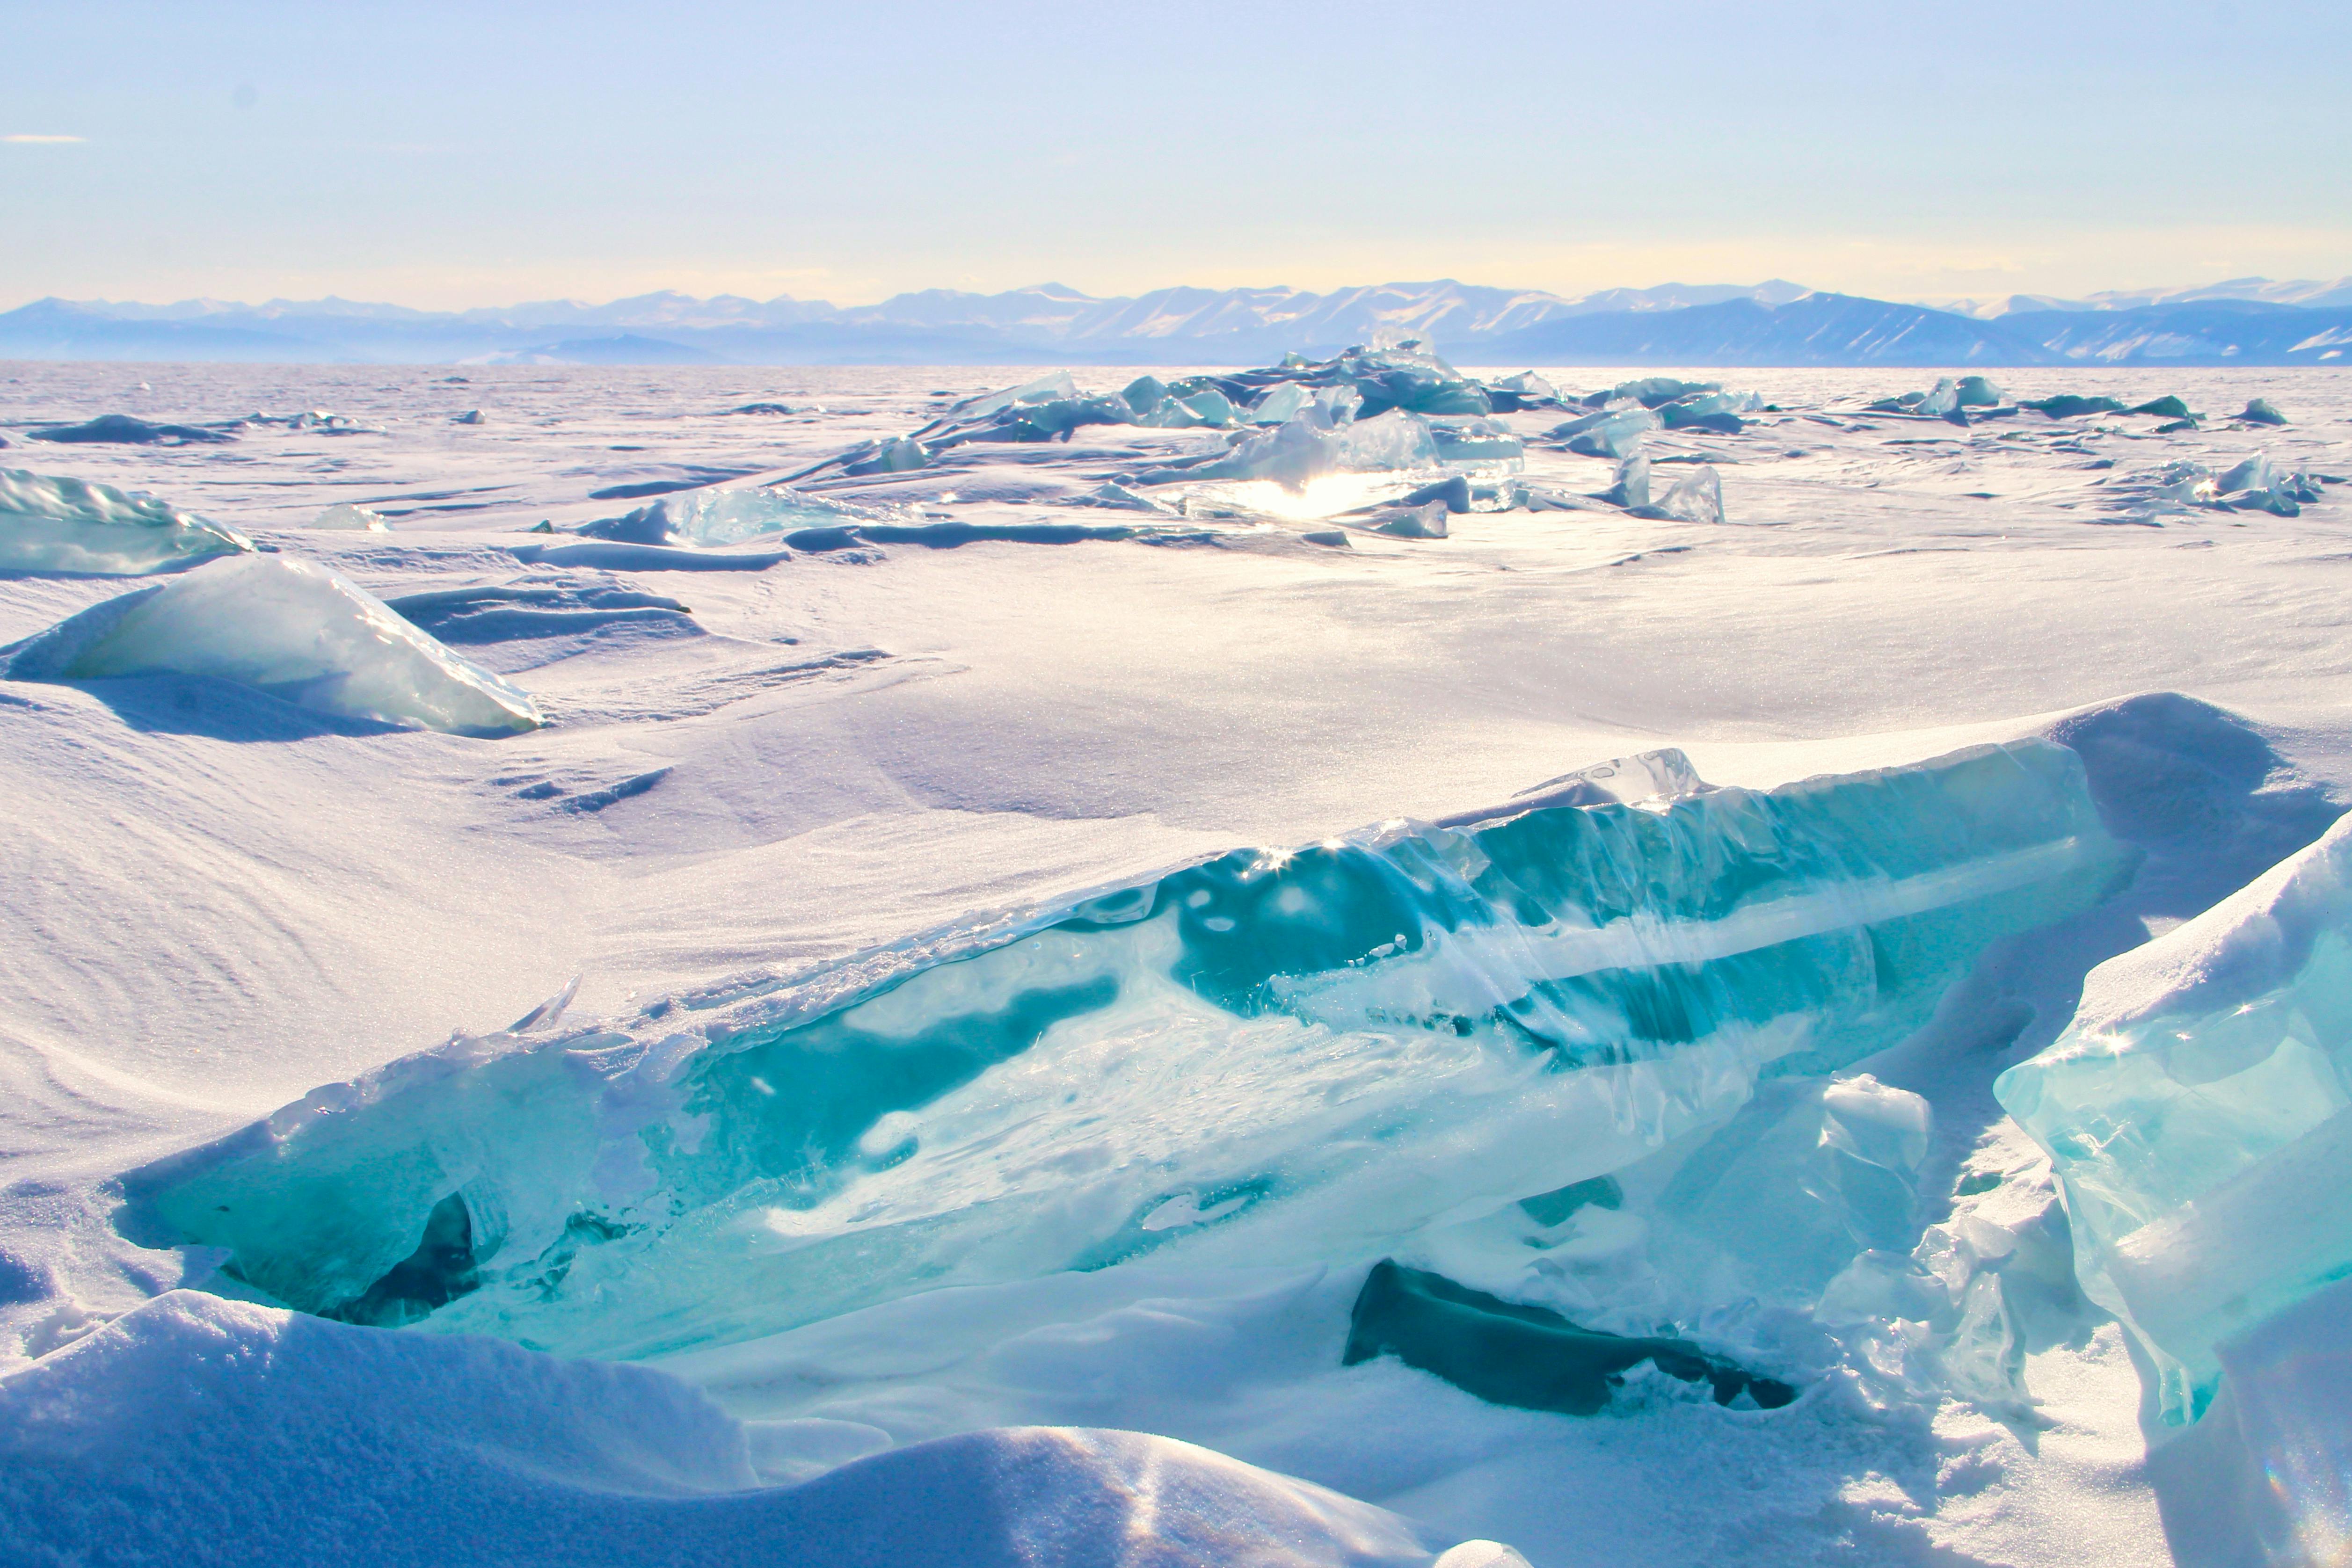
<point x="295" y="630"/>
<point x="2198" y="1111"/>
<point x="1270" y="1057"/>
<point x="48" y="523"/>
<point x="197" y="1430"/>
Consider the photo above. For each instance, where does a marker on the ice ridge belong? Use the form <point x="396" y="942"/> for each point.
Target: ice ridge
<point x="1268" y="1055"/>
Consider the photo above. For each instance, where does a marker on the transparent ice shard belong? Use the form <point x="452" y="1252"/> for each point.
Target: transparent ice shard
<point x="714" y="518"/>
<point x="1942" y="402"/>
<point x="2261" y="411"/>
<point x="1976" y="392"/>
<point x="292" y="627"/>
<point x="48" y="523"/>
<point x="1524" y="390"/>
<point x="1482" y="443"/>
<point x="1612" y="433"/>
<point x="346" y="516"/>
<point x="1695" y="497"/>
<point x="1318" y="1051"/>
<point x="1654" y="391"/>
<point x="1632" y="484"/>
<point x="2198" y="1111"/>
<point x="1278" y="404"/>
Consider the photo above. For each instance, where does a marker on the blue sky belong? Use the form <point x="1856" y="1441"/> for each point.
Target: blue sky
<point x="443" y="155"/>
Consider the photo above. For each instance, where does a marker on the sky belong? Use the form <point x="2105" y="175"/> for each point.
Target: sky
<point x="442" y="155"/>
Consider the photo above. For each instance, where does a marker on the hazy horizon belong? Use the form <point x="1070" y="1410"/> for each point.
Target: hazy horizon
<point x="438" y="157"/>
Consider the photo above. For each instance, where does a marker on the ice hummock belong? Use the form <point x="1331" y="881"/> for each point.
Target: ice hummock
<point x="50" y="523"/>
<point x="1299" y="1054"/>
<point x="292" y="627"/>
<point x="2198" y="1111"/>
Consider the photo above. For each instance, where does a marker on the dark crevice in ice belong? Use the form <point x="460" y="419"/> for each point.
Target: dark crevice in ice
<point x="1508" y="1353"/>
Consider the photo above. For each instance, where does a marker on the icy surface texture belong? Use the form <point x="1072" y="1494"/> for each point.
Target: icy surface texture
<point x="2195" y="1111"/>
<point x="1266" y="1056"/>
<point x="292" y="627"/>
<point x="197" y="1430"/>
<point x="52" y="524"/>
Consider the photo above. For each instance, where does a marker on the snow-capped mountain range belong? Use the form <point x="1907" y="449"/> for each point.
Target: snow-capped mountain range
<point x="2243" y="321"/>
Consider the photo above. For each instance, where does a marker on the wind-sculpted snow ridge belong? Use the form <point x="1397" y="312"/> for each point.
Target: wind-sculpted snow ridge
<point x="199" y="1431"/>
<point x="2198" y="1111"/>
<point x="1266" y="1057"/>
<point x="294" y="629"/>
<point x="52" y="524"/>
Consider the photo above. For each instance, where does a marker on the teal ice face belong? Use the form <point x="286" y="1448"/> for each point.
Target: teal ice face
<point x="1270" y="1056"/>
<point x="2203" y="1134"/>
<point x="52" y="524"/>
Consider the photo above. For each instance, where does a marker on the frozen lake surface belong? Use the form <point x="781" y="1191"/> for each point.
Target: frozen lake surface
<point x="776" y="781"/>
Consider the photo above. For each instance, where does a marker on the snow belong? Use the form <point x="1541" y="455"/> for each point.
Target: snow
<point x="775" y="778"/>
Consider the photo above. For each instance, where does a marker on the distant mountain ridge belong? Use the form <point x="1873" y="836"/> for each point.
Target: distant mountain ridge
<point x="2245" y="321"/>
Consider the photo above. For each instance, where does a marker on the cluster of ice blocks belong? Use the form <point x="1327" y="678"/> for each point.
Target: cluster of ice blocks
<point x="1270" y="1056"/>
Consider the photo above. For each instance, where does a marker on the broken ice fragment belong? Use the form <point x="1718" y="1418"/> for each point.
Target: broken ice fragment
<point x="1614" y="434"/>
<point x="2166" y="407"/>
<point x="1632" y="486"/>
<point x="1652" y="391"/>
<point x="2261" y="411"/>
<point x="2198" y="1111"/>
<point x="1524" y="390"/>
<point x="2069" y="405"/>
<point x="292" y="627"/>
<point x="1976" y="392"/>
<point x="346" y="516"/>
<point x="1483" y="442"/>
<point x="713" y="518"/>
<point x="1696" y="497"/>
<point x="53" y="524"/>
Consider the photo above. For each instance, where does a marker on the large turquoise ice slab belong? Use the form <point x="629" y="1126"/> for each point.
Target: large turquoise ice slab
<point x="292" y="627"/>
<point x="53" y="524"/>
<point x="2198" y="1111"/>
<point x="1270" y="1056"/>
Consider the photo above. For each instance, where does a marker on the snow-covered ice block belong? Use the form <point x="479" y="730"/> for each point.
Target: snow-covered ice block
<point x="292" y="627"/>
<point x="198" y="1430"/>
<point x="48" y="523"/>
<point x="1270" y="1056"/>
<point x="2198" y="1111"/>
